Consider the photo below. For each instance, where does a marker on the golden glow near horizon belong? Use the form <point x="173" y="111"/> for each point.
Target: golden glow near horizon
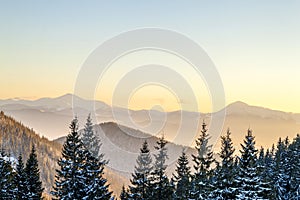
<point x="261" y="87"/>
<point x="153" y="97"/>
<point x="153" y="94"/>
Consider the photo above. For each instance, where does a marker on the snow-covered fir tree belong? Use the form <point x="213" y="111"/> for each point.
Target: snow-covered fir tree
<point x="6" y="177"/>
<point x="264" y="163"/>
<point x="140" y="182"/>
<point x="94" y="165"/>
<point x="201" y="183"/>
<point x="90" y="139"/>
<point x="20" y="181"/>
<point x="251" y="186"/>
<point x="287" y="166"/>
<point x="294" y="154"/>
<point x="34" y="184"/>
<point x="160" y="184"/>
<point x="281" y="168"/>
<point x="80" y="175"/>
<point x="70" y="183"/>
<point x="225" y="172"/>
<point x="96" y="184"/>
<point x="269" y="172"/>
<point x="182" y="178"/>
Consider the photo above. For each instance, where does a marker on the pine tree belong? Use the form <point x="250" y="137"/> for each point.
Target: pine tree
<point x="96" y="184"/>
<point x="225" y="174"/>
<point x="6" y="177"/>
<point x="250" y="184"/>
<point x="70" y="180"/>
<point x="201" y="183"/>
<point x="34" y="184"/>
<point x="20" y="181"/>
<point x="182" y="178"/>
<point x="160" y="185"/>
<point x="90" y="140"/>
<point x="270" y="163"/>
<point x="263" y="169"/>
<point x="140" y="181"/>
<point x="81" y="174"/>
<point x="294" y="158"/>
<point x="282" y="168"/>
<point x="287" y="168"/>
<point x="97" y="187"/>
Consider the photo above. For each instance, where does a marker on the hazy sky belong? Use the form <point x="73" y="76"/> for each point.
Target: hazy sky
<point x="255" y="45"/>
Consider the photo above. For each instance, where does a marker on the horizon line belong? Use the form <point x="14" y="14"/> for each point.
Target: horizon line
<point x="118" y="106"/>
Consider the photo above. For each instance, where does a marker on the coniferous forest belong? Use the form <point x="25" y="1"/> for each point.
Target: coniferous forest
<point x="251" y="173"/>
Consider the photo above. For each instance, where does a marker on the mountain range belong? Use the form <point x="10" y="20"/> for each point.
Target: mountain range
<point x="50" y="116"/>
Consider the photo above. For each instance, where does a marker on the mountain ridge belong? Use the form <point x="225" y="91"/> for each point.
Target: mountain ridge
<point x="69" y="96"/>
<point x="50" y="119"/>
<point x="67" y="99"/>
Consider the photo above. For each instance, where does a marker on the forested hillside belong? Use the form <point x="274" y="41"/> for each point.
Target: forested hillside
<point x="16" y="138"/>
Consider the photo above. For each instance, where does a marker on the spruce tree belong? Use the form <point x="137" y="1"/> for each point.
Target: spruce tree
<point x="294" y="158"/>
<point x="140" y="182"/>
<point x="225" y="174"/>
<point x="263" y="169"/>
<point x="90" y="140"/>
<point x="250" y="184"/>
<point x="201" y="183"/>
<point x="160" y="185"/>
<point x="6" y="177"/>
<point x="96" y="184"/>
<point x="282" y="168"/>
<point x="287" y="169"/>
<point x="271" y="171"/>
<point x="34" y="184"/>
<point x="81" y="174"/>
<point x="70" y="183"/>
<point x="182" y="178"/>
<point x="20" y="181"/>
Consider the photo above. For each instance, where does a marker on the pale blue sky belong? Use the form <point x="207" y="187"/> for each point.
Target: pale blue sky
<point x="254" y="44"/>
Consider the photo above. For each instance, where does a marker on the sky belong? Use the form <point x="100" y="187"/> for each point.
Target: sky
<point x="254" y="45"/>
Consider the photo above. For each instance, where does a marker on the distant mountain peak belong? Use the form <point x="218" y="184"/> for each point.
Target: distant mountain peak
<point x="238" y="104"/>
<point x="67" y="95"/>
